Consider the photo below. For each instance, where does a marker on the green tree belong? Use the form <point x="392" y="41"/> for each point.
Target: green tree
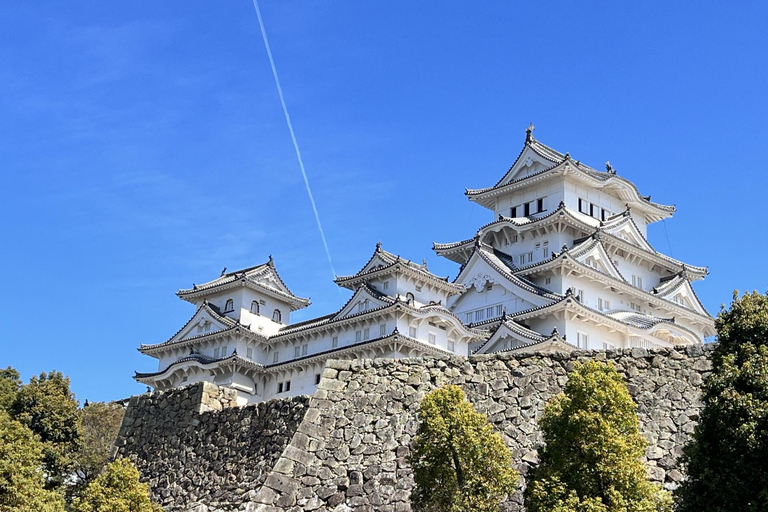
<point x="592" y="458"/>
<point x="21" y="476"/>
<point x="117" y="489"/>
<point x="10" y="383"/>
<point x="460" y="464"/>
<point x="100" y="426"/>
<point x="727" y="458"/>
<point x="47" y="407"/>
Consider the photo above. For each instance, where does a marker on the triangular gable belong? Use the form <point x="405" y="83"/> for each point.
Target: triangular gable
<point x="357" y="303"/>
<point x="508" y="336"/>
<point x="683" y="294"/>
<point x="527" y="163"/>
<point x="627" y="230"/>
<point x="204" y="321"/>
<point x="596" y="257"/>
<point x="478" y="272"/>
<point x="376" y="262"/>
<point x="549" y="346"/>
<point x="268" y="277"/>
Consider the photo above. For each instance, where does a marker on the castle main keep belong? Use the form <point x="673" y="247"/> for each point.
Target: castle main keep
<point x="563" y="264"/>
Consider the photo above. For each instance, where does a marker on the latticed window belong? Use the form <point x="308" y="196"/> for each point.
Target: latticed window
<point x="277" y="316"/>
<point x="229" y="306"/>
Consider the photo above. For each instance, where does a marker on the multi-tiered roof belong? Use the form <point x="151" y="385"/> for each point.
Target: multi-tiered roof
<point x="591" y="253"/>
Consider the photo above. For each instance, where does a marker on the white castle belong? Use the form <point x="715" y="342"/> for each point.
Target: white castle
<point x="564" y="265"/>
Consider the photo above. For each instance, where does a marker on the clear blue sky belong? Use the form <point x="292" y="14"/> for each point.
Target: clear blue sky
<point x="143" y="147"/>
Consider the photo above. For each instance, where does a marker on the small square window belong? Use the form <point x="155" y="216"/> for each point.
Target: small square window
<point x="366" y="333"/>
<point x="451" y="346"/>
<point x="513" y="212"/>
<point x="432" y="338"/>
<point x="540" y="205"/>
<point x="489" y="312"/>
<point x="382" y="329"/>
<point x="499" y="310"/>
<point x="276" y="357"/>
<point x="304" y="349"/>
<point x="358" y="335"/>
<point x="335" y="342"/>
<point x="469" y="318"/>
<point x="279" y="387"/>
<point x="287" y="385"/>
<point x="249" y="353"/>
<point x="385" y="285"/>
<point x="317" y="378"/>
<point x="296" y="351"/>
<point x="216" y="353"/>
<point x="412" y="332"/>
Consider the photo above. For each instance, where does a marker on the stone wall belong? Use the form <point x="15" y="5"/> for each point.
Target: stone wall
<point x="194" y="446"/>
<point x="346" y="448"/>
<point x="350" y="451"/>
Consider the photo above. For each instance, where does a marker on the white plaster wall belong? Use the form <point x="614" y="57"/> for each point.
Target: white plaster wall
<point x="473" y="300"/>
<point x="597" y="335"/>
<point x="550" y="190"/>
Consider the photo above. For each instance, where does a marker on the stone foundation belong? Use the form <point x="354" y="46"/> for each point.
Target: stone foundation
<point x="346" y="448"/>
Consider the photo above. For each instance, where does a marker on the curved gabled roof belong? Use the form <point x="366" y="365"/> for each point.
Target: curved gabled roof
<point x="200" y="361"/>
<point x="503" y="264"/>
<point x="566" y="257"/>
<point x="251" y="277"/>
<point x="225" y="322"/>
<point x="630" y="319"/>
<point x="460" y="251"/>
<point x="508" y="325"/>
<point x="389" y="262"/>
<point x="559" y="162"/>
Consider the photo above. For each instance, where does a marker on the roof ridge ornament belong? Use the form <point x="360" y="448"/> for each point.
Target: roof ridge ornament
<point x="609" y="168"/>
<point x="224" y="271"/>
<point x="529" y="133"/>
<point x="555" y="332"/>
<point x="378" y="246"/>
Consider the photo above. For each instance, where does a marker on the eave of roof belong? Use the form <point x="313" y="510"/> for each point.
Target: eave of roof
<point x="243" y="278"/>
<point x="565" y="257"/>
<point x="559" y="160"/>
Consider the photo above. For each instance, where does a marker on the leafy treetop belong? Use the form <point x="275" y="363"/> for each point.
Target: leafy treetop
<point x="592" y="458"/>
<point x="460" y="463"/>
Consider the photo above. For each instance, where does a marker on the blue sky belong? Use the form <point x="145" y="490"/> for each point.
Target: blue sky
<point x="144" y="149"/>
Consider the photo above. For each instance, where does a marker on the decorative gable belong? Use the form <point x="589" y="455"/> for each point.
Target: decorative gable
<point x="205" y="321"/>
<point x="595" y="256"/>
<point x="529" y="162"/>
<point x="627" y="230"/>
<point x="364" y="299"/>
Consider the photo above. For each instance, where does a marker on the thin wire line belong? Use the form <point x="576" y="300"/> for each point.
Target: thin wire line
<point x="293" y="135"/>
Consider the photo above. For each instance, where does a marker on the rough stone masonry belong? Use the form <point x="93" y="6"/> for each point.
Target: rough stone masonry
<point x="346" y="448"/>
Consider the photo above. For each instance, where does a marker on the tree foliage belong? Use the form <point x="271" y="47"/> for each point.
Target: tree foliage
<point x="592" y="458"/>
<point x="460" y="463"/>
<point x="10" y="383"/>
<point x="727" y="458"/>
<point x="21" y="476"/>
<point x="117" y="489"/>
<point x="47" y="407"/>
<point x="100" y="426"/>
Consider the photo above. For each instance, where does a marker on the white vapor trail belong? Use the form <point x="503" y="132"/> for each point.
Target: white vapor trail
<point x="293" y="135"/>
